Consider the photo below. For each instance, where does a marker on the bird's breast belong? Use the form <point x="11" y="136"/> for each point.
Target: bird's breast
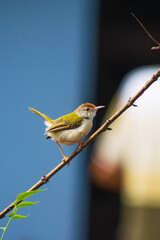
<point x="75" y="134"/>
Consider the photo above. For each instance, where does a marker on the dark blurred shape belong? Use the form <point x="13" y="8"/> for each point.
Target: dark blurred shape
<point x="103" y="212"/>
<point x="123" y="45"/>
<point x="126" y="160"/>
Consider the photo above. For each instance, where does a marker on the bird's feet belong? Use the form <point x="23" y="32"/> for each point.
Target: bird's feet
<point x="64" y="157"/>
<point x="80" y="146"/>
<point x="64" y="160"/>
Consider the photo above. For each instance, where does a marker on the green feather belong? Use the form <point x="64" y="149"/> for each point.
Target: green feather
<point x="69" y="121"/>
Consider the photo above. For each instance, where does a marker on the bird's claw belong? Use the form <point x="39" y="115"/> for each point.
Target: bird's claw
<point x="80" y="146"/>
<point x="64" y="160"/>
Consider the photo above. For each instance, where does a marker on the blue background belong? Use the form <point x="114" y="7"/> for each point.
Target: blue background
<point x="48" y="52"/>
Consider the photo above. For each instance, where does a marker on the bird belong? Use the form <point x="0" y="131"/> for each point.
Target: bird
<point x="71" y="128"/>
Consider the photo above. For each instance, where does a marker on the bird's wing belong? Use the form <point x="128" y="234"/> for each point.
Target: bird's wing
<point x="65" y="123"/>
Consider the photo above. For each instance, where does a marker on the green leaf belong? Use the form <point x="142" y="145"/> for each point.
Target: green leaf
<point x="24" y="195"/>
<point x="3" y="228"/>
<point x="18" y="216"/>
<point x="26" y="204"/>
<point x="12" y="213"/>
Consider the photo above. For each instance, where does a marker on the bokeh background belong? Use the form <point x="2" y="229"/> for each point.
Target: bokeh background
<point x="47" y="57"/>
<point x="55" y="55"/>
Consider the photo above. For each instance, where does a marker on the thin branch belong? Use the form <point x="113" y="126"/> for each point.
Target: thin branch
<point x="155" y="48"/>
<point x="103" y="128"/>
<point x="154" y="40"/>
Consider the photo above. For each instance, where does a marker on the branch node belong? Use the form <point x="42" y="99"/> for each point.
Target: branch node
<point x="44" y="179"/>
<point x="129" y="99"/>
<point x="130" y="103"/>
<point x="154" y="77"/>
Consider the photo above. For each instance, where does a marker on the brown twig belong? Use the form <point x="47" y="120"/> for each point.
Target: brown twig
<point x="104" y="127"/>
<point x="154" y="40"/>
<point x="155" y="48"/>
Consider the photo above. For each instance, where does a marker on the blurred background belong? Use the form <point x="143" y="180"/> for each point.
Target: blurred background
<point x="55" y="55"/>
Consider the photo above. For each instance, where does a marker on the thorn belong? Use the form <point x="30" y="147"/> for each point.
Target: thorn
<point x="134" y="105"/>
<point x="68" y="164"/>
<point x="129" y="101"/>
<point x="109" y="129"/>
<point x="44" y="179"/>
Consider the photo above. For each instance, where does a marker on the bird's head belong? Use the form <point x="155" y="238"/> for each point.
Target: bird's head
<point x="87" y="110"/>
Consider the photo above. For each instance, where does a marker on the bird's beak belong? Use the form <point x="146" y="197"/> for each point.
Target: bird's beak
<point x="98" y="107"/>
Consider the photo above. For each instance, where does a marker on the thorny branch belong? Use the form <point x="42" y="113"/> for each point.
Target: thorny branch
<point x="104" y="127"/>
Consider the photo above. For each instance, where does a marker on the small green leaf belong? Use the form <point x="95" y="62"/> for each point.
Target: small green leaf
<point x="3" y="228"/>
<point x="24" y="195"/>
<point x="26" y="204"/>
<point x="12" y="213"/>
<point x="18" y="216"/>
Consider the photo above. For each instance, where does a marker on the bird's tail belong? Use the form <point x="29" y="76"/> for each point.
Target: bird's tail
<point x="41" y="115"/>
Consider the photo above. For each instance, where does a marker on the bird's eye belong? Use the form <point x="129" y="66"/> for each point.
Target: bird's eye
<point x="87" y="109"/>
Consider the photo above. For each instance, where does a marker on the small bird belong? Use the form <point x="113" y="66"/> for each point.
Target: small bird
<point x="70" y="129"/>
